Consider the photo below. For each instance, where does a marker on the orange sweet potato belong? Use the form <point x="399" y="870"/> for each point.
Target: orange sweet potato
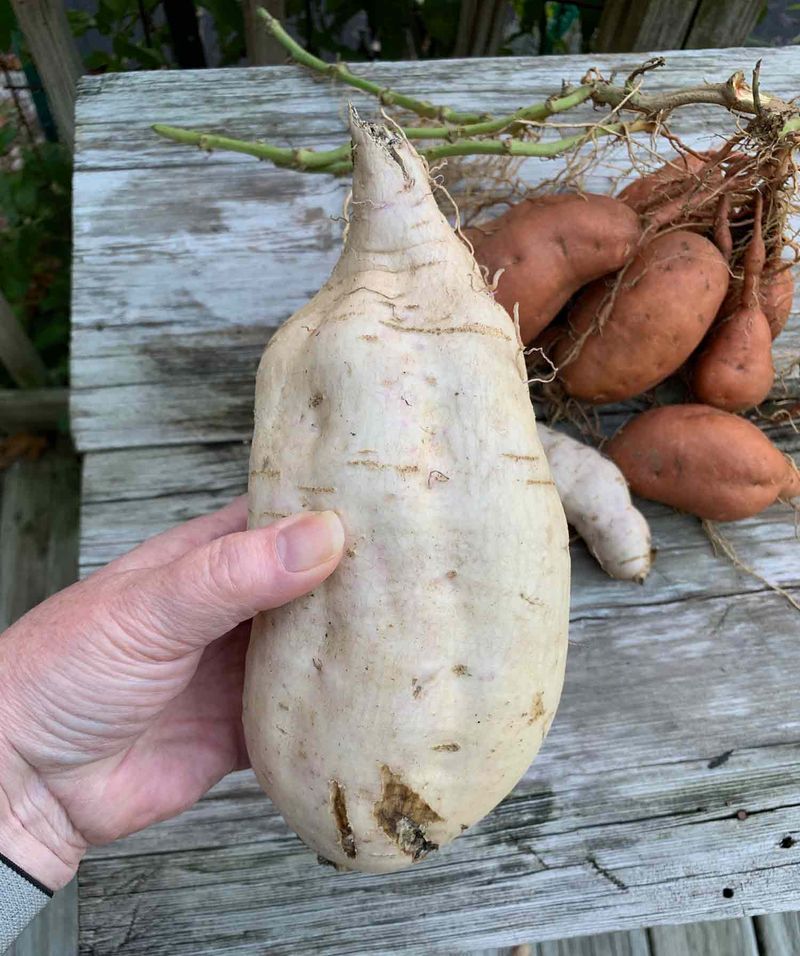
<point x="550" y="247"/>
<point x="775" y="294"/>
<point x="704" y="461"/>
<point x="627" y="334"/>
<point x="734" y="371"/>
<point x="677" y="174"/>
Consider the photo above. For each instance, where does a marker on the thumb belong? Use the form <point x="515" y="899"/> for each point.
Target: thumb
<point x="209" y="590"/>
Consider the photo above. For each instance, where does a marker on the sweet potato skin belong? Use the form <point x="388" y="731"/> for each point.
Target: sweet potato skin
<point x="703" y="461"/>
<point x="775" y="296"/>
<point x="682" y="170"/>
<point x="664" y="305"/>
<point x="735" y="371"/>
<point x="550" y="247"/>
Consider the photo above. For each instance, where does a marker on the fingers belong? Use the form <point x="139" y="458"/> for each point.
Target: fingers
<point x="174" y="542"/>
<point x="189" y="602"/>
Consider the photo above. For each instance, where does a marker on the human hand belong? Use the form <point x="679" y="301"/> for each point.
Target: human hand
<point x="121" y="696"/>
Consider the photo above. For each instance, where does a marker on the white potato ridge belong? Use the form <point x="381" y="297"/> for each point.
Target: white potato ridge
<point x="401" y="701"/>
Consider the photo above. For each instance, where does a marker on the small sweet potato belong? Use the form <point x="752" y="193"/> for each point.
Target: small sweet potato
<point x="550" y="247"/>
<point x="734" y="370"/>
<point x="704" y="461"/>
<point x="775" y="293"/>
<point x="628" y="333"/>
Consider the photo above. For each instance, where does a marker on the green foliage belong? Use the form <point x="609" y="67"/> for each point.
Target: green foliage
<point x="35" y="243"/>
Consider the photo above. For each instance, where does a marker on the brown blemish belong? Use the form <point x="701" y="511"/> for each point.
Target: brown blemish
<point x="513" y="457"/>
<point x="537" y="708"/>
<point x="447" y="748"/>
<point x="369" y="338"/>
<point x="282" y="706"/>
<point x="416" y="687"/>
<point x="461" y="670"/>
<point x="534" y="602"/>
<point x="347" y="839"/>
<point x="475" y="328"/>
<point x="451" y="574"/>
<point x="315" y="400"/>
<point x="540" y="481"/>
<point x="404" y="816"/>
<point x="437" y="476"/>
<point x="265" y="473"/>
<point x="350" y="552"/>
<point x="314" y="490"/>
<point x="381" y="466"/>
<point x="317" y="663"/>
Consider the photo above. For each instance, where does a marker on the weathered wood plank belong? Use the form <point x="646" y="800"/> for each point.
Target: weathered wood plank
<point x="48" y="36"/>
<point x="779" y="934"/>
<point x="23" y="363"/>
<point x="22" y="408"/>
<point x="207" y="254"/>
<point x="733" y="937"/>
<point x="38" y="556"/>
<point x="39" y="531"/>
<point x="630" y="816"/>
<point x="645" y="25"/>
<point x="719" y="23"/>
<point x="632" y="943"/>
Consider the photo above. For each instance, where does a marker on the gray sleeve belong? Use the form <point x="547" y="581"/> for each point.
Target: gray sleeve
<point x="21" y="898"/>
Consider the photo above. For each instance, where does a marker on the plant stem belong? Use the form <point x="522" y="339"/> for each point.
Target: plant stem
<point x="306" y="159"/>
<point x="513" y="147"/>
<point x="341" y="71"/>
<point x="734" y="94"/>
<point x="534" y="113"/>
<point x="336" y="161"/>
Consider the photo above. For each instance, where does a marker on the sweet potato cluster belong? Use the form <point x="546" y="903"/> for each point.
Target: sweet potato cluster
<point x="682" y="273"/>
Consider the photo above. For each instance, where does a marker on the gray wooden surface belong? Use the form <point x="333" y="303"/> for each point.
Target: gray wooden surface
<point x="680" y="709"/>
<point x="38" y="556"/>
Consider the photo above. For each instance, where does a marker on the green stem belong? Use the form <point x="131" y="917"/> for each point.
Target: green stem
<point x="336" y="161"/>
<point x="534" y="113"/>
<point x="308" y="159"/>
<point x="512" y="147"/>
<point x="340" y="71"/>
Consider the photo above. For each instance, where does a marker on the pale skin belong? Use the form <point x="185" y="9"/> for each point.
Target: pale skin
<point x="120" y="697"/>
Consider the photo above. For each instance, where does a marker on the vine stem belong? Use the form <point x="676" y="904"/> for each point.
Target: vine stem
<point x="337" y="160"/>
<point x="342" y="72"/>
<point x="306" y="159"/>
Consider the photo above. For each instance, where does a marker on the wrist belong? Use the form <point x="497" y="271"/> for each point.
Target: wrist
<point x="35" y="832"/>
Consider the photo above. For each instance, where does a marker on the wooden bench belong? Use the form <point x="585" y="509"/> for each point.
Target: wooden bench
<point x="669" y="788"/>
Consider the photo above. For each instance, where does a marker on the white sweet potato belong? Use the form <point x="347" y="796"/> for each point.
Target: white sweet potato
<point x="598" y="505"/>
<point x="402" y="700"/>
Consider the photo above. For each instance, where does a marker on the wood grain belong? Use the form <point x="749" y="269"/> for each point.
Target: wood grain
<point x="185" y="261"/>
<point x="778" y="934"/>
<point x="733" y="937"/>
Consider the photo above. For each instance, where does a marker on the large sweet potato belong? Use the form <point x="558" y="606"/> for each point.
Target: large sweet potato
<point x="628" y="333"/>
<point x="550" y="247"/>
<point x="702" y="460"/>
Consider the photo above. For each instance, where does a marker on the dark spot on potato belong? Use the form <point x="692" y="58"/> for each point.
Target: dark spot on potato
<point x="787" y="843"/>
<point x="315" y="400"/>
<point x="404" y="816"/>
<point x="347" y="839"/>
<point x="451" y="574"/>
<point x="537" y="708"/>
<point x="461" y="670"/>
<point x="316" y="663"/>
<point x="447" y="748"/>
